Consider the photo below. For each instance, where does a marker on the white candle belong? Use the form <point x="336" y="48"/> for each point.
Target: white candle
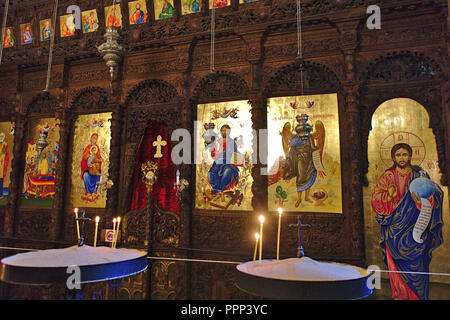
<point x="97" y="219"/>
<point x="178" y="177"/>
<point x="280" y="212"/>
<point x="261" y="220"/>
<point x="256" y="246"/>
<point x="114" y="232"/>
<point x="78" y="225"/>
<point x="117" y="232"/>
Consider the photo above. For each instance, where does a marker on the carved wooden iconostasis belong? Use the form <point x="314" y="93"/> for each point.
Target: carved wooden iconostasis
<point x="165" y="84"/>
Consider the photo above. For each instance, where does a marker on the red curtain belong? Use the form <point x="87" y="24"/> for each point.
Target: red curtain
<point x="163" y="189"/>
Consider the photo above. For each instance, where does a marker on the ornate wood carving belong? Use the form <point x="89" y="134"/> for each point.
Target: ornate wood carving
<point x="403" y="66"/>
<point x="134" y="229"/>
<point x="112" y="202"/>
<point x="34" y="225"/>
<point x="255" y="41"/>
<point x="9" y="220"/>
<point x="166" y="228"/>
<point x="64" y="118"/>
<point x="153" y="91"/>
<point x="91" y="99"/>
<point x="167" y="275"/>
<point x="317" y="78"/>
<point x="43" y="104"/>
<point x="220" y="84"/>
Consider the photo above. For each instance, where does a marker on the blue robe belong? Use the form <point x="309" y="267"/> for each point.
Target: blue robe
<point x="299" y="164"/>
<point x="222" y="173"/>
<point x="397" y="236"/>
<point x="91" y="182"/>
<point x="141" y="18"/>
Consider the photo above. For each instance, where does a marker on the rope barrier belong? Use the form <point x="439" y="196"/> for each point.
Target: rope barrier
<point x="235" y="262"/>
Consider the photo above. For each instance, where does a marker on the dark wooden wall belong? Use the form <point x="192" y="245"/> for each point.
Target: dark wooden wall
<point x="166" y="73"/>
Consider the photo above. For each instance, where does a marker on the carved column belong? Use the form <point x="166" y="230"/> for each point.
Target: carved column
<point x="446" y="120"/>
<point x="254" y="41"/>
<point x="187" y="171"/>
<point x="259" y="169"/>
<point x="355" y="227"/>
<point x="57" y="214"/>
<point x="112" y="202"/>
<point x="445" y="93"/>
<point x="17" y="166"/>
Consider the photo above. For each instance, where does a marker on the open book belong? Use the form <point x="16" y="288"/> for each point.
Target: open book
<point x="237" y="159"/>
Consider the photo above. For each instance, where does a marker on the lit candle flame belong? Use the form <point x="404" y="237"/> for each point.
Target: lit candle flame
<point x="97" y="219"/>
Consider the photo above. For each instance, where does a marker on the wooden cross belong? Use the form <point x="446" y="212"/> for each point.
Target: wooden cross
<point x="300" y="227"/>
<point x="159" y="143"/>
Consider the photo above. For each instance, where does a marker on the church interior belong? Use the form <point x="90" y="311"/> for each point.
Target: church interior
<point x="211" y="149"/>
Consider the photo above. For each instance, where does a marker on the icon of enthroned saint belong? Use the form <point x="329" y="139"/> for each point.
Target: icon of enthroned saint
<point x="91" y="167"/>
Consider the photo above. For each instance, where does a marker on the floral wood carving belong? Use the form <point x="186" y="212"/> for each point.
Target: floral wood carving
<point x="90" y="98"/>
<point x="138" y="120"/>
<point x="153" y="91"/>
<point x="220" y="84"/>
<point x="166" y="227"/>
<point x="34" y="225"/>
<point x="316" y="78"/>
<point x="134" y="228"/>
<point x="402" y="66"/>
<point x="43" y="103"/>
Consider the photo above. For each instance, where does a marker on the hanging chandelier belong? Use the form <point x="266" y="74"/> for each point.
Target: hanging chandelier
<point x="111" y="50"/>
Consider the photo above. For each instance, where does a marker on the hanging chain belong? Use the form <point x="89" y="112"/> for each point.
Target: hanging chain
<point x="299" y="30"/>
<point x="299" y="43"/>
<point x="114" y="12"/>
<point x="213" y="26"/>
<point x="5" y="16"/>
<point x="52" y="43"/>
<point x="299" y="54"/>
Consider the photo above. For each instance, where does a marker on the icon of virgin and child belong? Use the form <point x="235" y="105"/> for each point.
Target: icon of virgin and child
<point x="91" y="169"/>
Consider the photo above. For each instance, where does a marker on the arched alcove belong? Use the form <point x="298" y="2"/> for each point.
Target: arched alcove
<point x="401" y="120"/>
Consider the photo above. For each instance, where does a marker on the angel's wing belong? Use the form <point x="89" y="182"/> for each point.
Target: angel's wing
<point x="319" y="141"/>
<point x="286" y="136"/>
<point x="319" y="136"/>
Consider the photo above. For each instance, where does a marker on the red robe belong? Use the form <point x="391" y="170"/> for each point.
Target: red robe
<point x="84" y="159"/>
<point x="113" y="21"/>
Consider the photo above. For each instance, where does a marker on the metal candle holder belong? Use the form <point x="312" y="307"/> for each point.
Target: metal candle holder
<point x="82" y="220"/>
<point x="180" y="185"/>
<point x="112" y="51"/>
<point x="300" y="227"/>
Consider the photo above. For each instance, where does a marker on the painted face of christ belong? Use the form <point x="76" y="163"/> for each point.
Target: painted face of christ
<point x="224" y="130"/>
<point x="402" y="158"/>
